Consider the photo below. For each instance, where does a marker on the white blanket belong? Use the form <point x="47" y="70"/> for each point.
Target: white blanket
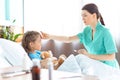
<point x="90" y="67"/>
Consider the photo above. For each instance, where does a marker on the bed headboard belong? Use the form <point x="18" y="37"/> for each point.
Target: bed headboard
<point x="58" y="47"/>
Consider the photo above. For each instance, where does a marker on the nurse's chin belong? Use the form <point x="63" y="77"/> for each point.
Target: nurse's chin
<point x="86" y="23"/>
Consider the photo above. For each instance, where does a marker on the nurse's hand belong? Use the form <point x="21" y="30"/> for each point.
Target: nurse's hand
<point x="44" y="35"/>
<point x="82" y="51"/>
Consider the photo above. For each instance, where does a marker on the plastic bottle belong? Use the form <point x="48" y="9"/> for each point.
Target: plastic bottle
<point x="35" y="69"/>
<point x="50" y="69"/>
<point x="25" y="63"/>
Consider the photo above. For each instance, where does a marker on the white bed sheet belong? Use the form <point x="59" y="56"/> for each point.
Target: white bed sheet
<point x="91" y="67"/>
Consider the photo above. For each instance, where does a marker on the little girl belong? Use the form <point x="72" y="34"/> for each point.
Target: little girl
<point x="31" y="42"/>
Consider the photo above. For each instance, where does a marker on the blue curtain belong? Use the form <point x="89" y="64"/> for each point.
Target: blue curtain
<point x="7" y="9"/>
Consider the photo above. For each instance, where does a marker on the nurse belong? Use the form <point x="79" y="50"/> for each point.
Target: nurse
<point x="96" y="38"/>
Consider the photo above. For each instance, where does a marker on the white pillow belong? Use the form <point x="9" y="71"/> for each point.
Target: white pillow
<point x="70" y="65"/>
<point x="94" y="67"/>
<point x="3" y="62"/>
<point x="14" y="52"/>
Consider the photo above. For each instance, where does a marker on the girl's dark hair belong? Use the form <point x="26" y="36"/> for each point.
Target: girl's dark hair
<point x="92" y="8"/>
<point x="29" y="36"/>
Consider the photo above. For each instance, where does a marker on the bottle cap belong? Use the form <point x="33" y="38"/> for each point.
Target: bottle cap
<point x="36" y="62"/>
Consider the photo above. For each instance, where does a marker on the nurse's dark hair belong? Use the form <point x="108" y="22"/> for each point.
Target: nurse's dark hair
<point x="92" y="8"/>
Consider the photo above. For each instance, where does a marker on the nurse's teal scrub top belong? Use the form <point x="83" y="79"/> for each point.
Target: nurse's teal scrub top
<point x="102" y="43"/>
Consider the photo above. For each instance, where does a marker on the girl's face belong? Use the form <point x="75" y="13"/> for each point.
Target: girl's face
<point x="37" y="44"/>
<point x="87" y="17"/>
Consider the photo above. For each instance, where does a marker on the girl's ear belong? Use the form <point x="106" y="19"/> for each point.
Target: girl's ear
<point x="30" y="44"/>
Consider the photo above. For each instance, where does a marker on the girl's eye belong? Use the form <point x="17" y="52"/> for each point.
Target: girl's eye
<point x="84" y="15"/>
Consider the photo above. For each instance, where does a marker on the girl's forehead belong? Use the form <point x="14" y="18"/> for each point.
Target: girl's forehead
<point x="38" y="38"/>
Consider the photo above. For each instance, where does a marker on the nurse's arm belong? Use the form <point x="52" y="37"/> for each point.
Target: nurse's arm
<point x="102" y="57"/>
<point x="65" y="39"/>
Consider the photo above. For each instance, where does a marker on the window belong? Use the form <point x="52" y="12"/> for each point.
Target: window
<point x="2" y="11"/>
<point x="11" y="10"/>
<point x="16" y="11"/>
<point x="62" y="17"/>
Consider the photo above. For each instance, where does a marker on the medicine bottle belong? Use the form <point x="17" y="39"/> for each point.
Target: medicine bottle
<point x="35" y="70"/>
<point x="50" y="69"/>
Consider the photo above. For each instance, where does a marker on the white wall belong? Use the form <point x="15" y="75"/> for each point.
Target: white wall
<point x="110" y="10"/>
<point x="53" y="16"/>
<point x="63" y="17"/>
